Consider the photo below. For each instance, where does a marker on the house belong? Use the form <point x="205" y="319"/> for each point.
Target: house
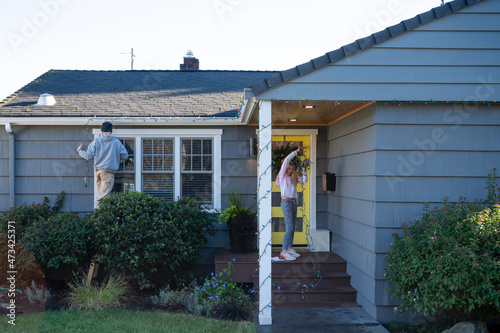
<point x="405" y="116"/>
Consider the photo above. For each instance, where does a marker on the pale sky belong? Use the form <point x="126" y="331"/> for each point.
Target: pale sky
<point x="39" y="35"/>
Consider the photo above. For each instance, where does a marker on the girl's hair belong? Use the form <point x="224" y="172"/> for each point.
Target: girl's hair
<point x="294" y="178"/>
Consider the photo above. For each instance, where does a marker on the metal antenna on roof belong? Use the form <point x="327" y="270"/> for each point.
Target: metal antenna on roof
<point x="442" y="2"/>
<point x="132" y="56"/>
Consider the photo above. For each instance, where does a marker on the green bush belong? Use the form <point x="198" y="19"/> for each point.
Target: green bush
<point x="138" y="233"/>
<point x="25" y="215"/>
<point x="449" y="261"/>
<point x="61" y="241"/>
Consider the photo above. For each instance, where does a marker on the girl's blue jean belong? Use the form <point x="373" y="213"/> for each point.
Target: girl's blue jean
<point x="289" y="208"/>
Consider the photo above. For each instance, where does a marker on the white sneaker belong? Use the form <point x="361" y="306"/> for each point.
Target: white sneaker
<point x="287" y="256"/>
<point x="293" y="253"/>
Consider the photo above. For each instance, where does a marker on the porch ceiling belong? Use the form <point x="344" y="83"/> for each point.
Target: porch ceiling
<point x="324" y="112"/>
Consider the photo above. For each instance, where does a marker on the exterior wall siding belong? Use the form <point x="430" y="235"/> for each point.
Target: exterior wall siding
<point x="351" y="208"/>
<point x="422" y="157"/>
<point x="4" y="170"/>
<point x="452" y="58"/>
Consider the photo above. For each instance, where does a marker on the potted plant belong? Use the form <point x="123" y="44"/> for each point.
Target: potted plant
<point x="241" y="224"/>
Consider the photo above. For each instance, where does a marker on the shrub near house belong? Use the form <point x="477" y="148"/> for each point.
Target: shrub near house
<point x="449" y="261"/>
<point x="138" y="233"/>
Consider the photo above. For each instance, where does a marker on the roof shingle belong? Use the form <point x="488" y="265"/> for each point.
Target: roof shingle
<point x="133" y="93"/>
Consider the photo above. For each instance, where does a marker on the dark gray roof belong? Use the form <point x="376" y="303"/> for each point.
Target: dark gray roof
<point x="361" y="44"/>
<point x="81" y="93"/>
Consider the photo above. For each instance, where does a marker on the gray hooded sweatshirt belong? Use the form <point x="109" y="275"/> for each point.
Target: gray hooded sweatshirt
<point x="107" y="152"/>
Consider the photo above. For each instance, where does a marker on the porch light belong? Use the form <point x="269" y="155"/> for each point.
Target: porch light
<point x="252" y="146"/>
<point x="292" y="120"/>
<point x="308" y="106"/>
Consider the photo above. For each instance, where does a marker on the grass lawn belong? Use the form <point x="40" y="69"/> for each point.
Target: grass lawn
<point x="75" y="321"/>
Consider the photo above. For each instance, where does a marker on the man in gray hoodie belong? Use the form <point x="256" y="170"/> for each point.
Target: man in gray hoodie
<point x="107" y="152"/>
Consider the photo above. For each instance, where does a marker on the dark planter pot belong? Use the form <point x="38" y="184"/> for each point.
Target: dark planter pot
<point x="242" y="237"/>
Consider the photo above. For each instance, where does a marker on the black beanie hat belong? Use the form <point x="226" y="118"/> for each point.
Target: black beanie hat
<point x="107" y="127"/>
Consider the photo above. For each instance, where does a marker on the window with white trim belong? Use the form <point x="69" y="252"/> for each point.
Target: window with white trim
<point x="196" y="169"/>
<point x="171" y="164"/>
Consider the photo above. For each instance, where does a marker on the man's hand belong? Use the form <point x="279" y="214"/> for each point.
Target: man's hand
<point x="80" y="147"/>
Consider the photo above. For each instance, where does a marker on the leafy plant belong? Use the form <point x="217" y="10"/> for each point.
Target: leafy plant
<point x="137" y="233"/>
<point x="182" y="301"/>
<point x="220" y="287"/>
<point x="218" y="297"/>
<point x="449" y="261"/>
<point x="37" y="294"/>
<point x="113" y="293"/>
<point x="25" y="215"/>
<point x="60" y="241"/>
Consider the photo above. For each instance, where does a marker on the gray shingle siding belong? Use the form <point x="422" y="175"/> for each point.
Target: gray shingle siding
<point x="367" y="42"/>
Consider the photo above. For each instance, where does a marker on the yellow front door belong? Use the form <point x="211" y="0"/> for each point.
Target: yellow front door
<point x="303" y="192"/>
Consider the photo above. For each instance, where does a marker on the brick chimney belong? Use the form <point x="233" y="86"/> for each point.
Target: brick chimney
<point x="190" y="62"/>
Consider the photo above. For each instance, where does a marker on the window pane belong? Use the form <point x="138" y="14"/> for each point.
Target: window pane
<point x="128" y="164"/>
<point x="147" y="146"/>
<point x="147" y="163"/>
<point x="186" y="146"/>
<point x="158" y="147"/>
<point x="156" y="152"/>
<point x="207" y="163"/>
<point x="157" y="163"/>
<point x="159" y="185"/>
<point x="207" y="147"/>
<point x="196" y="163"/>
<point x="168" y="163"/>
<point x="124" y="182"/>
<point x="168" y="147"/>
<point x="186" y="163"/>
<point x="198" y="186"/>
<point x="197" y="147"/>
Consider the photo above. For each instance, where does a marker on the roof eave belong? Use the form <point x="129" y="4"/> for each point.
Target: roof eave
<point x="130" y="121"/>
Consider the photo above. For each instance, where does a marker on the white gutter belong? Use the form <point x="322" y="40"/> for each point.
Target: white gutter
<point x="12" y="174"/>
<point x="187" y="121"/>
<point x="183" y="121"/>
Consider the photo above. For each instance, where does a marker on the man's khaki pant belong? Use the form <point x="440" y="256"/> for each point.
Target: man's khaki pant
<point x="105" y="181"/>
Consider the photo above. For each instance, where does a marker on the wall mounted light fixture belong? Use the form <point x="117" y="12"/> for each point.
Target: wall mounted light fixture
<point x="252" y="146"/>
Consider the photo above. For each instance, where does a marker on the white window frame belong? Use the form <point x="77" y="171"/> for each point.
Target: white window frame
<point x="176" y="134"/>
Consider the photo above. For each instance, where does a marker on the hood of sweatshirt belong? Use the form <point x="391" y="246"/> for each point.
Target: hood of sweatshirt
<point x="107" y="137"/>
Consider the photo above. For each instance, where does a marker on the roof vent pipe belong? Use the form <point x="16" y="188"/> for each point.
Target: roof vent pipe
<point x="46" y="100"/>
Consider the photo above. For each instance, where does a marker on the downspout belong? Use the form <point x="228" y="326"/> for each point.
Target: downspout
<point x="12" y="188"/>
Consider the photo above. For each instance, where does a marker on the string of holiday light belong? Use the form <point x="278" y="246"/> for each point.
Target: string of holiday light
<point x="392" y="101"/>
<point x="263" y="249"/>
<point x="310" y="244"/>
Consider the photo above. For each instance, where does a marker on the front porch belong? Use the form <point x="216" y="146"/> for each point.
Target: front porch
<point x="296" y="283"/>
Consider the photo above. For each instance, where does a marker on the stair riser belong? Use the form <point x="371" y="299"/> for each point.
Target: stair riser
<point x="294" y="269"/>
<point x="282" y="299"/>
<point x="292" y="284"/>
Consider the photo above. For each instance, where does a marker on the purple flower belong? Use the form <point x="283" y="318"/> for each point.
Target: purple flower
<point x="192" y="294"/>
<point x="210" y="297"/>
<point x="234" y="259"/>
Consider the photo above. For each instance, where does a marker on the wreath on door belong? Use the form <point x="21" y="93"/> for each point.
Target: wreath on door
<point x="279" y="153"/>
